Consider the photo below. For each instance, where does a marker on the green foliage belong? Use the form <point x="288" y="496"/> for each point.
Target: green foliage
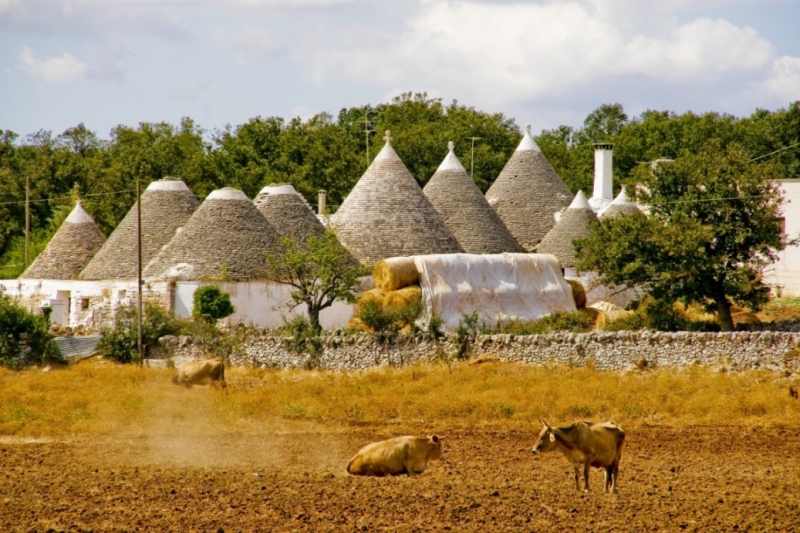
<point x="24" y="336"/>
<point x="466" y="332"/>
<point x="387" y="322"/>
<point x="211" y="304"/>
<point x="320" y="271"/>
<point x="303" y="338"/>
<point x="575" y="322"/>
<point x="713" y="227"/>
<point x="434" y="329"/>
<point x="120" y="343"/>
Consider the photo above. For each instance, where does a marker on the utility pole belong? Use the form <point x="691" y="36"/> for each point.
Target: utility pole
<point x="139" y="267"/>
<point x="367" y="131"/>
<point x="472" y="158"/>
<point x="27" y="218"/>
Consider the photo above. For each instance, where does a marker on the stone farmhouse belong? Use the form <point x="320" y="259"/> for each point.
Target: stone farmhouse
<point x="84" y="278"/>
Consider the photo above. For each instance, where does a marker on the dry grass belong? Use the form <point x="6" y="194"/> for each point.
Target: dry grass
<point x="95" y="398"/>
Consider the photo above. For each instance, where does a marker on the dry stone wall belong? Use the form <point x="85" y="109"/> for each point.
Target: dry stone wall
<point x="616" y="351"/>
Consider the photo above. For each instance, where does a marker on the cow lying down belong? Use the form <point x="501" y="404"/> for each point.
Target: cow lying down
<point x="204" y="372"/>
<point x="586" y="444"/>
<point x="400" y="455"/>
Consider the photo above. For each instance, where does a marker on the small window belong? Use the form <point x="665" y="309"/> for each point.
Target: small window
<point x="84" y="304"/>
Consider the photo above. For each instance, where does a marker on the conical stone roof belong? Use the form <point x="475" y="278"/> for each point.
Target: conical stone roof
<point x="527" y="193"/>
<point x="387" y="215"/>
<point x="573" y="224"/>
<point x="226" y="238"/>
<point x="620" y="206"/>
<point x="166" y="206"/>
<point x="288" y="212"/>
<point x="70" y="250"/>
<point x="465" y="210"/>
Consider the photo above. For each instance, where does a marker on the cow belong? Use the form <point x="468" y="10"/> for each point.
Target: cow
<point x="400" y="455"/>
<point x="204" y="372"/>
<point x="586" y="444"/>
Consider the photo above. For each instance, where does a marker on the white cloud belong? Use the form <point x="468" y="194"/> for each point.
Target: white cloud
<point x="785" y="79"/>
<point x="506" y="53"/>
<point x="59" y="69"/>
<point x="249" y="43"/>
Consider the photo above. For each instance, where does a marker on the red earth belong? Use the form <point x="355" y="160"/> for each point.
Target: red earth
<point x="708" y="478"/>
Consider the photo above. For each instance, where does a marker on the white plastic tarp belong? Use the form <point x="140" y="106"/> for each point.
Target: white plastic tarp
<point x="499" y="287"/>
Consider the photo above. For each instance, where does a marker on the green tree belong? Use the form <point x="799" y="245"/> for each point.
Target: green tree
<point x="121" y="342"/>
<point x="210" y="303"/>
<point x="24" y="336"/>
<point x="713" y="227"/>
<point x="319" y="271"/>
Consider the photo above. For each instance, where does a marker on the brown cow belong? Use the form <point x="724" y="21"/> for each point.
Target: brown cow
<point x="204" y="372"/>
<point x="586" y="444"/>
<point x="400" y="455"/>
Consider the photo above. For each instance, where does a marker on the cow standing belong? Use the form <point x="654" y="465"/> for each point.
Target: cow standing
<point x="204" y="372"/>
<point x="400" y="455"/>
<point x="586" y="444"/>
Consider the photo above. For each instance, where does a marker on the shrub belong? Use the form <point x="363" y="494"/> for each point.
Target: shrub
<point x="575" y="322"/>
<point x="466" y="331"/>
<point x="120" y="342"/>
<point x="24" y="336"/>
<point x="304" y="339"/>
<point x="211" y="304"/>
<point x="387" y="322"/>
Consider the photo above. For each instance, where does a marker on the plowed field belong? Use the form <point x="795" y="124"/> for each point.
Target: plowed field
<point x="675" y="479"/>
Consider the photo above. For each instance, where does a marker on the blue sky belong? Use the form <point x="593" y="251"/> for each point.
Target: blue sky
<point x="547" y="63"/>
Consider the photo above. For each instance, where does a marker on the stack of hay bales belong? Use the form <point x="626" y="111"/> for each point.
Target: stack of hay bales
<point x="579" y="297"/>
<point x="578" y="293"/>
<point x="607" y="313"/>
<point x="396" y="285"/>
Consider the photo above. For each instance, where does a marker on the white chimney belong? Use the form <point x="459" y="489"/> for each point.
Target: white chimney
<point x="602" y="195"/>
<point x="322" y="198"/>
<point x="602" y="171"/>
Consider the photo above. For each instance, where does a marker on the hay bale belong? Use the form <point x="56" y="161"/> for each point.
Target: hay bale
<point x="373" y="295"/>
<point x="395" y="273"/>
<point x="357" y="323"/>
<point x="592" y="313"/>
<point x="403" y="297"/>
<point x="607" y="313"/>
<point x="578" y="293"/>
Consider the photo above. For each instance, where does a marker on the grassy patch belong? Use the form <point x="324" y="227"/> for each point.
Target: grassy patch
<point x="96" y="398"/>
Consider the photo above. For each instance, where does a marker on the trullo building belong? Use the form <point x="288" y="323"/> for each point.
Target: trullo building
<point x="465" y="210"/>
<point x="573" y="224"/>
<point x="528" y="193"/>
<point x="387" y="215"/>
<point x="70" y="250"/>
<point x="226" y="238"/>
<point x="167" y="205"/>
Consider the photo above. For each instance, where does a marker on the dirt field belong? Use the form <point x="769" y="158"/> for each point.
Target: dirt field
<point x="690" y="479"/>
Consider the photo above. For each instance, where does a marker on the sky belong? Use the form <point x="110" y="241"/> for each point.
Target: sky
<point x="545" y="63"/>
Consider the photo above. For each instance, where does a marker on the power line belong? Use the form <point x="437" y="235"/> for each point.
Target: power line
<point x="775" y="152"/>
<point x="70" y="197"/>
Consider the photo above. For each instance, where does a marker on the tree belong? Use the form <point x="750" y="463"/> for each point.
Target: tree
<point x="24" y="336"/>
<point x="713" y="227"/>
<point x="210" y="303"/>
<point x="320" y="271"/>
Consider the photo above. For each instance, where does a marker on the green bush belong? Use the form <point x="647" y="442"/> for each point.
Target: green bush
<point x="211" y="304"/>
<point x="24" y="336"/>
<point x="303" y="338"/>
<point x="120" y="342"/>
<point x="387" y="322"/>
<point x="575" y="322"/>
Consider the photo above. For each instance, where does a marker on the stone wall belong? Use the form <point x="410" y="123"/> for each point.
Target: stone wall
<point x="618" y="351"/>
